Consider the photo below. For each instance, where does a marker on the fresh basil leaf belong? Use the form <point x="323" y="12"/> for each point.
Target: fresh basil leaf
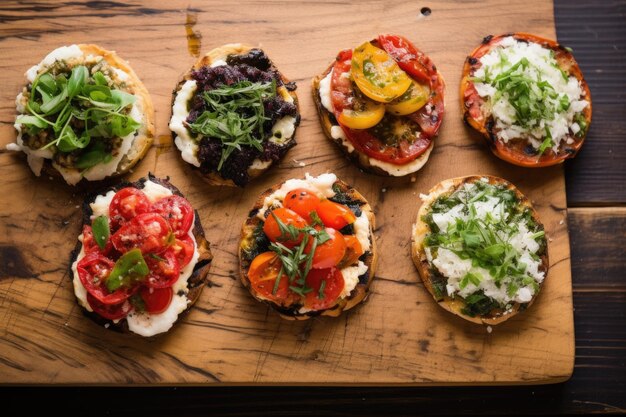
<point x="129" y="268"/>
<point x="77" y="80"/>
<point x="101" y="231"/>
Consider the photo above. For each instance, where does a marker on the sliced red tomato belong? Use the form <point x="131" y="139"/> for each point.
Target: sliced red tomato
<point x="109" y="311"/>
<point x="93" y="271"/>
<point x="335" y="215"/>
<point x="262" y="275"/>
<point x="184" y="249"/>
<point x="419" y="66"/>
<point x="126" y="204"/>
<point x="287" y="217"/>
<point x="329" y="253"/>
<point x="149" y="232"/>
<point x="399" y="150"/>
<point x="164" y="269"/>
<point x="302" y="201"/>
<point x="156" y="300"/>
<point x="408" y="57"/>
<point x="354" y="250"/>
<point x="326" y="284"/>
<point x="177" y="211"/>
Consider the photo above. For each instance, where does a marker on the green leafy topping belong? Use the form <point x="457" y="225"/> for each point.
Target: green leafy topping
<point x="235" y="115"/>
<point x="484" y="240"/>
<point x="320" y="294"/>
<point x="582" y="123"/>
<point x="100" y="230"/>
<point x="79" y="112"/>
<point x="478" y="304"/>
<point x="129" y="268"/>
<point x="295" y="263"/>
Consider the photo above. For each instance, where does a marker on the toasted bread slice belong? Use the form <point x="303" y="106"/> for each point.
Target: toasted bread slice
<point x="426" y="270"/>
<point x="479" y="116"/>
<point x="195" y="283"/>
<point x="221" y="54"/>
<point x="248" y="249"/>
<point x="361" y="159"/>
<point x="143" y="137"/>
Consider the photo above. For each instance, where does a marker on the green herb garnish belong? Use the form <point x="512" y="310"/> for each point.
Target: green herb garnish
<point x="296" y="264"/>
<point x="76" y="111"/>
<point x="484" y="240"/>
<point x="129" y="268"/>
<point x="100" y="230"/>
<point x="235" y="115"/>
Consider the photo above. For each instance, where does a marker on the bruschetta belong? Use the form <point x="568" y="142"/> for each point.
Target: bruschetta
<point x="234" y="115"/>
<point x="83" y="114"/>
<point x="308" y="249"/>
<point x="141" y="259"/>
<point x="480" y="248"/>
<point x="382" y="103"/>
<point x="527" y="96"/>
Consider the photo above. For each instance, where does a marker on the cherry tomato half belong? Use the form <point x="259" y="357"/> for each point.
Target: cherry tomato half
<point x="149" y="232"/>
<point x="177" y="211"/>
<point x="332" y="286"/>
<point x="164" y="269"/>
<point x="93" y="271"/>
<point x="301" y="201"/>
<point x="184" y="249"/>
<point x="109" y="311"/>
<point x="335" y="215"/>
<point x="329" y="253"/>
<point x="156" y="300"/>
<point x="354" y="250"/>
<point x="126" y="204"/>
<point x="262" y="275"/>
<point x="287" y="217"/>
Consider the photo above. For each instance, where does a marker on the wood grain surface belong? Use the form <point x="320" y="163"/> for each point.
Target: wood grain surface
<point x="399" y="336"/>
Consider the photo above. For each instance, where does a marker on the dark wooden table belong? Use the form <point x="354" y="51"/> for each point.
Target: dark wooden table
<point x="596" y="191"/>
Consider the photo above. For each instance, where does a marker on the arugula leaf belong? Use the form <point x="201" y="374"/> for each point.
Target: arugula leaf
<point x="95" y="155"/>
<point x="57" y="104"/>
<point x="77" y="80"/>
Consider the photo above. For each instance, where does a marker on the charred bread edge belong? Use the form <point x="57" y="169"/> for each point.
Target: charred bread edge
<point x="419" y="256"/>
<point x="222" y="52"/>
<point x="144" y="135"/>
<point x="328" y="120"/>
<point x="358" y="294"/>
<point x="573" y="69"/>
<point x="200" y="274"/>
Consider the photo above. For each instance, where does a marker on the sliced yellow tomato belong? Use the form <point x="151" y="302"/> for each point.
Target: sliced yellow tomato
<point x="414" y="99"/>
<point x="362" y="116"/>
<point x="377" y="74"/>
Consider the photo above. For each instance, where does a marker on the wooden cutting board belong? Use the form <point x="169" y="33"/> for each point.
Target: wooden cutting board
<point x="399" y="336"/>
